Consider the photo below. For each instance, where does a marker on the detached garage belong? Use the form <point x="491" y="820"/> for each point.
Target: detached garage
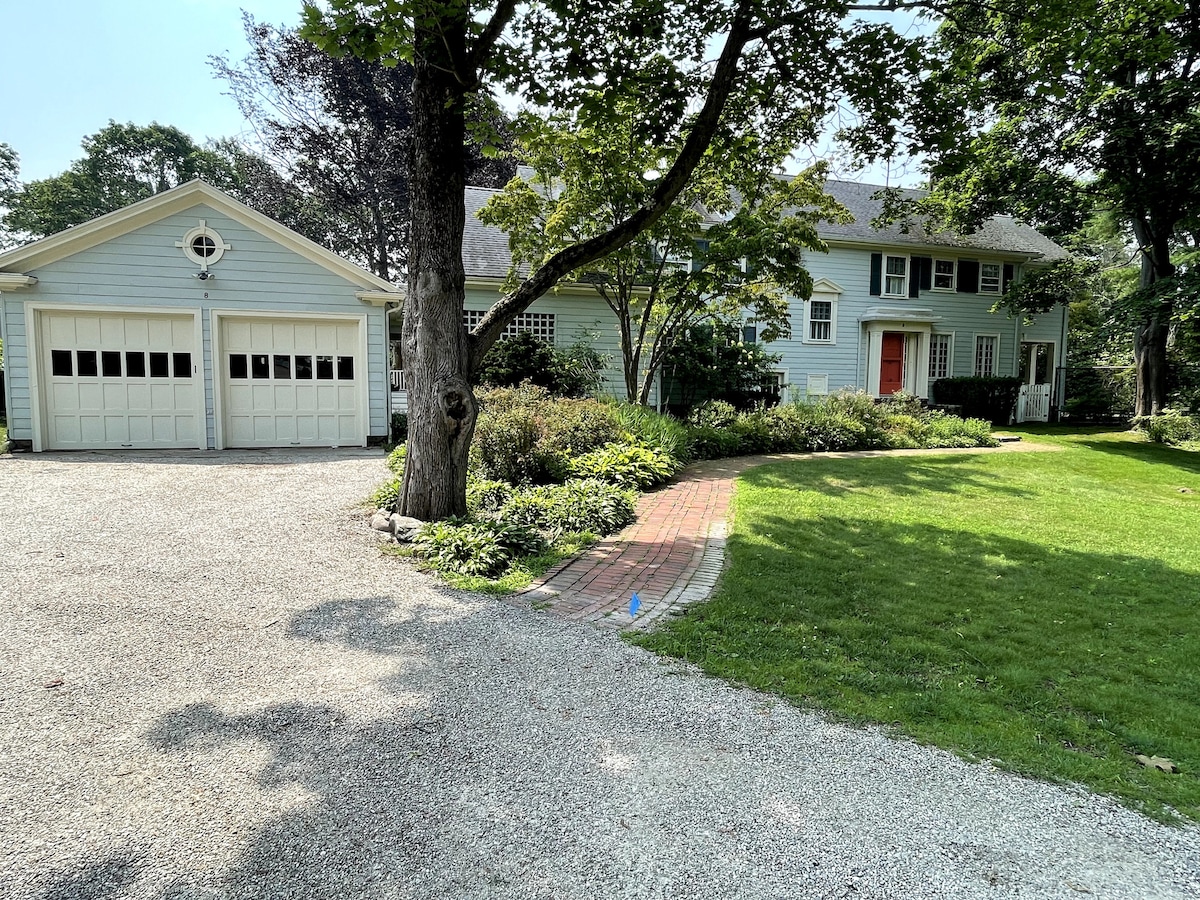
<point x="190" y="321"/>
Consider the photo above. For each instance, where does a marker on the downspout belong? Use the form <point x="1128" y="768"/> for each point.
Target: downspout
<point x="1060" y="381"/>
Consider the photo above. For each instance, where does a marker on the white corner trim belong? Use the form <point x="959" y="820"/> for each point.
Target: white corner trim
<point x="10" y="281"/>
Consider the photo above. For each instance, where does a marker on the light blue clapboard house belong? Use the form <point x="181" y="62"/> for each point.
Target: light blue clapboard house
<point x="189" y="320"/>
<point x="890" y="311"/>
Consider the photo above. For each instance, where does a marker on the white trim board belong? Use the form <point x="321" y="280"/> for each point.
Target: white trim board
<point x="168" y="203"/>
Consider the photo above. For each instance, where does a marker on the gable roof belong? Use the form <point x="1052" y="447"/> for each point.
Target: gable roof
<point x="160" y="206"/>
<point x="999" y="234"/>
<point x="486" y="253"/>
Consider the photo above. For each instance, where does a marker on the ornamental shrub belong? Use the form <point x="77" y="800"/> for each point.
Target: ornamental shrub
<point x="628" y="465"/>
<point x="942" y="430"/>
<point x="708" y="442"/>
<point x="485" y="497"/>
<point x="525" y="436"/>
<point x="579" y="505"/>
<point x="991" y="397"/>
<point x="1170" y="428"/>
<point x="484" y="548"/>
<point x="645" y="426"/>
<point x="510" y="447"/>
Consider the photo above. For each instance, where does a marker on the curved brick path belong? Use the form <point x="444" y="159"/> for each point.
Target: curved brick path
<point x="673" y="554"/>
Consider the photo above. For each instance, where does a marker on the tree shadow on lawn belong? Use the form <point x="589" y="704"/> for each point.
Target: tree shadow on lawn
<point x="1188" y="461"/>
<point x="1053" y="660"/>
<point x="900" y="475"/>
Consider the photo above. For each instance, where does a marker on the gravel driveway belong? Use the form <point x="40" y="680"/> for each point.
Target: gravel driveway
<point x="213" y="685"/>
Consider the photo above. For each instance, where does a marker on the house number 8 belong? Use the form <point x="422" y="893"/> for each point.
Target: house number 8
<point x="206" y="295"/>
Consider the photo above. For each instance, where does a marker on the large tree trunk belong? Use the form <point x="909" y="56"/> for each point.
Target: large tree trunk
<point x="437" y="350"/>
<point x="1150" y="335"/>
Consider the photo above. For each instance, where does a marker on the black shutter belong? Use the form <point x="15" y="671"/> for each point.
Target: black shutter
<point x="926" y="271"/>
<point x="1009" y="272"/>
<point x="968" y="276"/>
<point x="876" y="274"/>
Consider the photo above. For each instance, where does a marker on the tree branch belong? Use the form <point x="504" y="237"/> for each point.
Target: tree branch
<point x="486" y="41"/>
<point x="567" y="260"/>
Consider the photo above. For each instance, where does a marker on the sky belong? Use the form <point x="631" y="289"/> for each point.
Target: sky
<point x="68" y="67"/>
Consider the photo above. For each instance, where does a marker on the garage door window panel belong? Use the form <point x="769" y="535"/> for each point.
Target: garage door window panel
<point x="325" y="368"/>
<point x="304" y="368"/>
<point x="85" y="363"/>
<point x="237" y="366"/>
<point x="283" y="367"/>
<point x="260" y="365"/>
<point x="61" y="363"/>
<point x="159" y="365"/>
<point x="345" y="368"/>
<point x="135" y="364"/>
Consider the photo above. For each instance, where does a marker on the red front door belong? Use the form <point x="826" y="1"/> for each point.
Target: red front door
<point x="891" y="364"/>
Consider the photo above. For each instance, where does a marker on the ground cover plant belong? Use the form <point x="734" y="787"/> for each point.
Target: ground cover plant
<point x="1037" y="609"/>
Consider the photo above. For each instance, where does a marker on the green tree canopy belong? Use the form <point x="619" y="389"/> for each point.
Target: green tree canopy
<point x="730" y="246"/>
<point x="335" y="134"/>
<point x="1047" y="108"/>
<point x="121" y="165"/>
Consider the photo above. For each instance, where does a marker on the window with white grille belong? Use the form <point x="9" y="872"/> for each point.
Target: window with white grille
<point x="985" y="354"/>
<point x="540" y="325"/>
<point x="895" y="276"/>
<point x="943" y="275"/>
<point x="820" y="320"/>
<point x="939" y="356"/>
<point x="989" y="278"/>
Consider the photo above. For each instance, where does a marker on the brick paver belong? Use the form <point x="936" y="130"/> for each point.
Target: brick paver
<point x="673" y="554"/>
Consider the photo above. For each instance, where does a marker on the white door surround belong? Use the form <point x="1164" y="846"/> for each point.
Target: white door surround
<point x="916" y="324"/>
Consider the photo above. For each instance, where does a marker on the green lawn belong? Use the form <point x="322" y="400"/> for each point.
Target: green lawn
<point x="1038" y="609"/>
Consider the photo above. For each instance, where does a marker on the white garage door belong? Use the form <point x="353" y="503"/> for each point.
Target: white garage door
<point x="292" y="382"/>
<point x="114" y="381"/>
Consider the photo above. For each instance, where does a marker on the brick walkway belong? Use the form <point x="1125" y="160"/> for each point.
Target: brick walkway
<point x="673" y="554"/>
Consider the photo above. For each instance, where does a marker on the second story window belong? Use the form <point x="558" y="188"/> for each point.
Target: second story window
<point x="989" y="278"/>
<point x="895" y="276"/>
<point x="943" y="275"/>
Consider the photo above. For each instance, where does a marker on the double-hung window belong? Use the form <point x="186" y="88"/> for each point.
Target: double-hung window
<point x="939" y="356"/>
<point x="989" y="278"/>
<point x="820" y="321"/>
<point x="986" y="351"/>
<point x="895" y="276"/>
<point x="943" y="275"/>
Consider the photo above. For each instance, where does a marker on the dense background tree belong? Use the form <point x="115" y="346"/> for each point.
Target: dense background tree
<point x="10" y="170"/>
<point x="1041" y="101"/>
<point x="121" y="165"/>
<point x="588" y="172"/>
<point x="776" y="56"/>
<point x="336" y="134"/>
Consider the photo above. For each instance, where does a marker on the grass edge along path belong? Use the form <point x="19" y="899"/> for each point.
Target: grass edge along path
<point x="1038" y="610"/>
